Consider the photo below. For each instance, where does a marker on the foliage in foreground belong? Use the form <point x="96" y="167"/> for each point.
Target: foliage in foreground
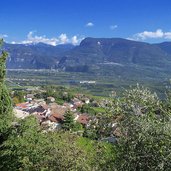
<point x="145" y="142"/>
<point x="5" y="101"/>
<point x="146" y="145"/>
<point x="27" y="148"/>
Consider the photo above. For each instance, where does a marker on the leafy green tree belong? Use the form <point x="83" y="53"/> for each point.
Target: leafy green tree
<point x="15" y="100"/>
<point x="68" y="123"/>
<point x="166" y="105"/>
<point x="145" y="145"/>
<point x="27" y="148"/>
<point x="145" y="140"/>
<point x="5" y="101"/>
<point x="19" y="95"/>
<point x="85" y="108"/>
<point x="99" y="127"/>
<point x="77" y="127"/>
<point x="139" y="101"/>
<point x="90" y="132"/>
<point x="67" y="96"/>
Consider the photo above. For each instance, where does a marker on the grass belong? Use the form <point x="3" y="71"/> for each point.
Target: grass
<point x="99" y="109"/>
<point x="97" y="151"/>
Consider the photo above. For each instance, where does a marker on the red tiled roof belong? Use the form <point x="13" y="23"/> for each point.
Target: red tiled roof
<point x="83" y="119"/>
<point x="22" y="105"/>
<point x="45" y="107"/>
<point x="56" y="118"/>
<point x="52" y="119"/>
<point x="59" y="110"/>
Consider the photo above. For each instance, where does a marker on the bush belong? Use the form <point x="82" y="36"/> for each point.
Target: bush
<point x="145" y="142"/>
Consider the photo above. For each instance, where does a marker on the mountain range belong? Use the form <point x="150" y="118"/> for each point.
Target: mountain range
<point x="91" y="53"/>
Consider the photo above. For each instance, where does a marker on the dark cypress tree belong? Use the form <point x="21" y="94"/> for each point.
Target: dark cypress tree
<point x="5" y="101"/>
<point x="68" y="121"/>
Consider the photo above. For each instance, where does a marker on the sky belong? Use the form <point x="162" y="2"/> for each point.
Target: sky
<point x="69" y="21"/>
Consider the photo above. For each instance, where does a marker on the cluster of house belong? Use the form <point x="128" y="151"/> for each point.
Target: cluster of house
<point x="50" y="114"/>
<point x="87" y="82"/>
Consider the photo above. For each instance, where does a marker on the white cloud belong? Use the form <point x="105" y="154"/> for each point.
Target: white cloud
<point x="3" y="35"/>
<point x="61" y="39"/>
<point x="74" y="40"/>
<point x="159" y="33"/>
<point x="89" y="24"/>
<point x="31" y="38"/>
<point x="113" y="27"/>
<point x="13" y="42"/>
<point x="168" y="35"/>
<point x="149" y="34"/>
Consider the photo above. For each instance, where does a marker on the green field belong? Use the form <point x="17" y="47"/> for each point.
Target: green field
<point x="106" y="81"/>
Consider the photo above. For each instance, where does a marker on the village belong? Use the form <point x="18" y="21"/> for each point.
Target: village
<point x="50" y="114"/>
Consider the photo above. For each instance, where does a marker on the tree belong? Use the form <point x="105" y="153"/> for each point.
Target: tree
<point x="77" y="127"/>
<point x="68" y="123"/>
<point x="99" y="126"/>
<point x="139" y="101"/>
<point x="5" y="101"/>
<point x="15" y="100"/>
<point x="27" y="148"/>
<point x="144" y="145"/>
<point x="85" y="108"/>
<point x="19" y="95"/>
<point x="145" y="140"/>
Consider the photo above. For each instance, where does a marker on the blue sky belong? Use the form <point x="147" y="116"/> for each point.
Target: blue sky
<point x="69" y="21"/>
